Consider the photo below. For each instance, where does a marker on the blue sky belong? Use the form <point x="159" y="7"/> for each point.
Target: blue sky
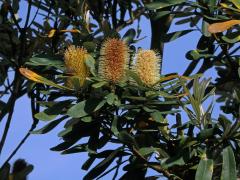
<point x="51" y="165"/>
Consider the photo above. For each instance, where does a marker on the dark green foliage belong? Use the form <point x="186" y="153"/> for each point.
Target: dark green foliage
<point x="131" y="118"/>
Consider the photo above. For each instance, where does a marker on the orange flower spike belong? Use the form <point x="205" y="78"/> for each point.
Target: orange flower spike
<point x="147" y="67"/>
<point x="114" y="60"/>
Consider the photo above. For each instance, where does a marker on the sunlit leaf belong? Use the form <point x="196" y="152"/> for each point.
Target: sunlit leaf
<point x="236" y="3"/>
<point x="39" y="79"/>
<point x="222" y="26"/>
<point x="52" y="32"/>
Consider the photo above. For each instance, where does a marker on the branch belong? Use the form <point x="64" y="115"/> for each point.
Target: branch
<point x="35" y="109"/>
<point x="21" y="142"/>
<point x="157" y="168"/>
<point x="6" y="129"/>
<point x="28" y="13"/>
<point x="138" y="12"/>
<point x="10" y="106"/>
<point x="13" y="17"/>
<point x="38" y="7"/>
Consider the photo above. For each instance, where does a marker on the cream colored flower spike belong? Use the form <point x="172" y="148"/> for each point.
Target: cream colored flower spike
<point x="75" y="63"/>
<point x="147" y="67"/>
<point x="114" y="60"/>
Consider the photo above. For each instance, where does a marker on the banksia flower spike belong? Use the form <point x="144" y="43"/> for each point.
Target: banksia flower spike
<point x="74" y="58"/>
<point x="147" y="67"/>
<point x="114" y="60"/>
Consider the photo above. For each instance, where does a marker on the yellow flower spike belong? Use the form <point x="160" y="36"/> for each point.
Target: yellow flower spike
<point x="147" y="67"/>
<point x="75" y="63"/>
<point x="114" y="60"/>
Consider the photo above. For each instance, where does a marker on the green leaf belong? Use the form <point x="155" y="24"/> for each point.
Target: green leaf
<point x="87" y="119"/>
<point x="172" y="161"/>
<point x="76" y="149"/>
<point x="193" y="55"/>
<point x="126" y="138"/>
<point x="85" y="107"/>
<point x="90" y="62"/>
<point x="90" y="46"/>
<point x="134" y="76"/>
<point x="15" y="6"/>
<point x="204" y="170"/>
<point x="174" y="35"/>
<point x="239" y="72"/>
<point x="159" y="4"/>
<point x="197" y="55"/>
<point x="88" y="163"/>
<point x="229" y="165"/>
<point x="99" y="84"/>
<point x="49" y="126"/>
<point x="53" y="111"/>
<point x="129" y="36"/>
<point x="236" y="3"/>
<point x="62" y="146"/>
<point x="205" y="134"/>
<point x="145" y="151"/>
<point x="43" y="60"/>
<point x="231" y="40"/>
<point x="102" y="166"/>
<point x="44" y="116"/>
<point x="161" y="14"/>
<point x="2" y="105"/>
<point x="158" y="117"/>
<point x="111" y="98"/>
<point x="114" y="128"/>
<point x="205" y="29"/>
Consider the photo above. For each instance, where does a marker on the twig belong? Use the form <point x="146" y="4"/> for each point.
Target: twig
<point x="157" y="168"/>
<point x="9" y="119"/>
<point x="119" y="163"/>
<point x="35" y="109"/>
<point x="35" y="14"/>
<point x="20" y="144"/>
<point x="138" y="12"/>
<point x="28" y="13"/>
<point x="14" y="18"/>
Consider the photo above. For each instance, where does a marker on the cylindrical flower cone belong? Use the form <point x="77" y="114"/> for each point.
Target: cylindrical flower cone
<point x="114" y="60"/>
<point x="75" y="64"/>
<point x="147" y="67"/>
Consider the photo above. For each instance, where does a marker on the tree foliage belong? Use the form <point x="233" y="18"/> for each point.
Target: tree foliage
<point x="76" y="66"/>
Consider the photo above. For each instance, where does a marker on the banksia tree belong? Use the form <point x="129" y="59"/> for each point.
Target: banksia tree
<point x="147" y="67"/>
<point x="75" y="64"/>
<point x="114" y="60"/>
<point x="162" y="122"/>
